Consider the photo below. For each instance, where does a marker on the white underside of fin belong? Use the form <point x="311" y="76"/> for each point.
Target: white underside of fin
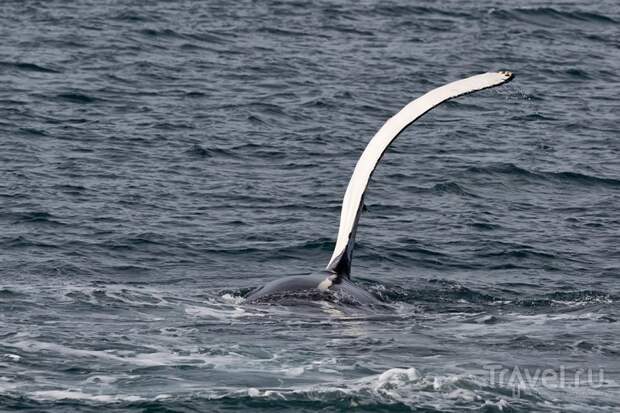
<point x="354" y="195"/>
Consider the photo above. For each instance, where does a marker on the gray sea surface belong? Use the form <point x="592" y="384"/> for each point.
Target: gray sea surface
<point x="161" y="159"/>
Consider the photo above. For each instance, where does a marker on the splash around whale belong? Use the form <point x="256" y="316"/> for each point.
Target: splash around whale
<point x="336" y="277"/>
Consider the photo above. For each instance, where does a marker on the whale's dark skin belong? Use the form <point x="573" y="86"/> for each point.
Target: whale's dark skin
<point x="300" y="284"/>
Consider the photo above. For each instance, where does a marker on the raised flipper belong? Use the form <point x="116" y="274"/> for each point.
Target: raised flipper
<point x="352" y="204"/>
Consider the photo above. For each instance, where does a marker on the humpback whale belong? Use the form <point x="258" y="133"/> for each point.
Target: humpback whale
<point x="336" y="277"/>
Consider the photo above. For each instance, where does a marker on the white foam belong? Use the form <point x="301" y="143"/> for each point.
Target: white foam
<point x="232" y="299"/>
<point x="585" y="301"/>
<point x="403" y="385"/>
<point x="393" y="378"/>
<point x="501" y="404"/>
<point x="156" y="358"/>
<point x="119" y="292"/>
<point x="12" y="357"/>
<point x="32" y="346"/>
<point x="253" y="392"/>
<point x="542" y="318"/>
<point x="229" y="310"/>
<point x="106" y="380"/>
<point x="163" y="396"/>
<point x="396" y="385"/>
<point x="79" y="395"/>
<point x="463" y="394"/>
<point x="210" y="312"/>
<point x="294" y="371"/>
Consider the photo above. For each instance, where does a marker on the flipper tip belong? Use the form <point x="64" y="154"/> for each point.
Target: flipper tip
<point x="507" y="75"/>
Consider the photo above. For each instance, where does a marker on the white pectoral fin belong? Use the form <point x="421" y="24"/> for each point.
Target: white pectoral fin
<point x="340" y="262"/>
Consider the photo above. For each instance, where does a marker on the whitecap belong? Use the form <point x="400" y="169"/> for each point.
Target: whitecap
<point x="12" y="357"/>
<point x="79" y="395"/>
<point x="232" y="299"/>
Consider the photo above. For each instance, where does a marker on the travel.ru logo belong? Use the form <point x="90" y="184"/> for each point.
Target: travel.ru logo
<point x="522" y="379"/>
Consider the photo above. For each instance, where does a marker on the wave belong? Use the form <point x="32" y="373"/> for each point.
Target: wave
<point x="452" y="188"/>
<point x="27" y="67"/>
<point x="199" y="151"/>
<point x="576" y="298"/>
<point x="76" y="97"/>
<point x="169" y="33"/>
<point x="264" y="246"/>
<point x="550" y="17"/>
<point x="394" y="389"/>
<point x="38" y="217"/>
<point x="440" y="294"/>
<point x="79" y="395"/>
<point x="21" y="241"/>
<point x="10" y="294"/>
<point x="389" y="9"/>
<point x="435" y="291"/>
<point x="33" y="132"/>
<point x="567" y="177"/>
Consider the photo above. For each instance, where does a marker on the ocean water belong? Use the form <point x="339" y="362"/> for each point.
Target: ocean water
<point x="161" y="159"/>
